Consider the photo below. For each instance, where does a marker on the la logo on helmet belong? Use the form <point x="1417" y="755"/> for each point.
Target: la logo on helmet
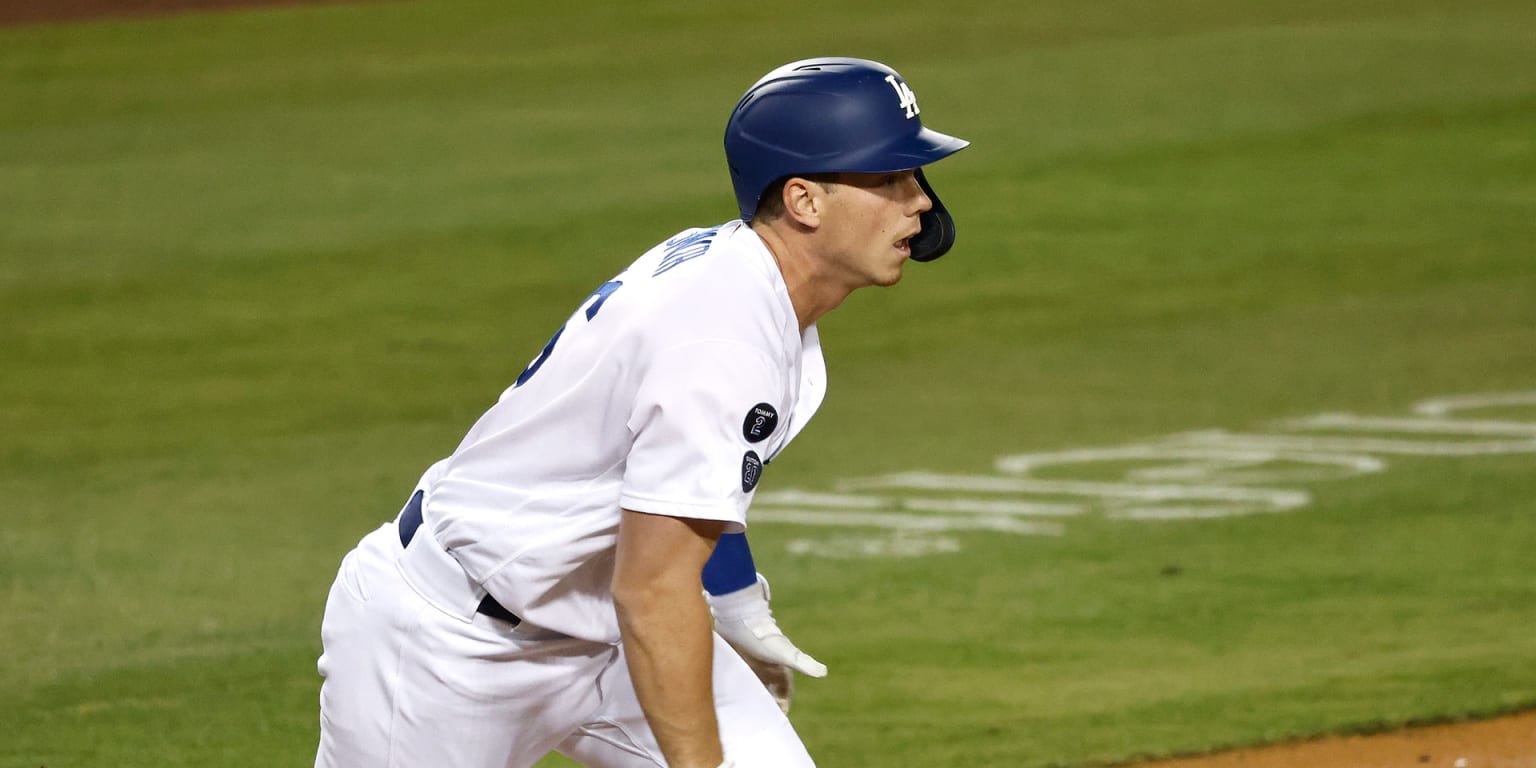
<point x="904" y="92"/>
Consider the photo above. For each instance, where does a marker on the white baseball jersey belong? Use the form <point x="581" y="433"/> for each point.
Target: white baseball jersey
<point x="666" y="392"/>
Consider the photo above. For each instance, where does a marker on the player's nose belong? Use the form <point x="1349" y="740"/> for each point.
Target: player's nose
<point x="919" y="200"/>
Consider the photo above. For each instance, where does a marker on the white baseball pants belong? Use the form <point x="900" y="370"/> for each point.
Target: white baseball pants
<point x="415" y="678"/>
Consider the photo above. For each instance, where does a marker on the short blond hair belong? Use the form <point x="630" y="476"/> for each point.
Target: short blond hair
<point x="771" y="205"/>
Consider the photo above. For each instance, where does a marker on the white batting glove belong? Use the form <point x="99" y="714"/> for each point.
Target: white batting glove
<point x="778" y="679"/>
<point x="744" y="619"/>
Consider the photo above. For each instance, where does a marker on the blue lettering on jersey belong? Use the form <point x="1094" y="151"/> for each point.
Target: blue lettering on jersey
<point x="593" y="303"/>
<point x="684" y="247"/>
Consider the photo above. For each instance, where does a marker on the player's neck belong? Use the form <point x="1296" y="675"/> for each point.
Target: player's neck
<point x="810" y="292"/>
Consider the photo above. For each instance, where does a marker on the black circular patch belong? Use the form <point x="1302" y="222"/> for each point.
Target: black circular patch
<point x="751" y="471"/>
<point x="759" y="423"/>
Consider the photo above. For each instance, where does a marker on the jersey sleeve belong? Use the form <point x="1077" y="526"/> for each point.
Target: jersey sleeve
<point x="691" y="455"/>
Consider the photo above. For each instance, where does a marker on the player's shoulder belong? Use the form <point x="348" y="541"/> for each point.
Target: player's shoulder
<point x="699" y="251"/>
<point x="713" y="280"/>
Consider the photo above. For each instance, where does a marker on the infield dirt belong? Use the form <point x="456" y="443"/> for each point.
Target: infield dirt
<point x="1507" y="742"/>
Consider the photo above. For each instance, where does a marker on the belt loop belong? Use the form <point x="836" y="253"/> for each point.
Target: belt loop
<point x="436" y="575"/>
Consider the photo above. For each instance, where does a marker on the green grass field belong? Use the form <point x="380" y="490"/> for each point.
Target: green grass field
<point x="258" y="269"/>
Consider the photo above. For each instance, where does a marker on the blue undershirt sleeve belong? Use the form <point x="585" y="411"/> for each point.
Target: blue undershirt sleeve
<point x="730" y="567"/>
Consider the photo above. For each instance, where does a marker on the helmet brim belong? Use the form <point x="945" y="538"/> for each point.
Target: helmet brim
<point x="906" y="153"/>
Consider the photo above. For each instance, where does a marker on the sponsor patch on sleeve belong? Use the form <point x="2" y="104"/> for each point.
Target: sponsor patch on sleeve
<point x="760" y="422"/>
<point x="751" y="471"/>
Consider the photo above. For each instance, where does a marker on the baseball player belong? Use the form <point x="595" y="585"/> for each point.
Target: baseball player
<point x="573" y="577"/>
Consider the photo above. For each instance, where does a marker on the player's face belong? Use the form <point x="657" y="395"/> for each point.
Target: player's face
<point x="869" y="220"/>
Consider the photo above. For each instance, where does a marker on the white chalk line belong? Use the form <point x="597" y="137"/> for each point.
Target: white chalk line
<point x="1425" y="426"/>
<point x="980" y="506"/>
<point x="1441" y="406"/>
<point x="898" y="544"/>
<point x="1303" y="444"/>
<point x="1285" y="498"/>
<point x="906" y="522"/>
<point x="1197" y="475"/>
<point x="1204" y="457"/>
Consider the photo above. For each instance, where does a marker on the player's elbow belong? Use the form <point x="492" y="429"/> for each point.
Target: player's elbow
<point x="631" y="600"/>
<point x="636" y="599"/>
<point x="658" y="603"/>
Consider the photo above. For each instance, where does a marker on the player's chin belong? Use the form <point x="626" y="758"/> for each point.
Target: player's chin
<point x="889" y="277"/>
<point x="892" y="274"/>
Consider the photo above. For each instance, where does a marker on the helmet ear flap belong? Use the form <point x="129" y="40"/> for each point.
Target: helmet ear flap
<point x="938" y="233"/>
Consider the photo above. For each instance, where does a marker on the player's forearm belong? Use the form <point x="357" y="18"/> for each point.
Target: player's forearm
<point x="669" y="645"/>
<point x="667" y="633"/>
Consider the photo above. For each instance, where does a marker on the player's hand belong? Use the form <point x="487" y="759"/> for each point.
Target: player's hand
<point x="779" y="679"/>
<point x="744" y="619"/>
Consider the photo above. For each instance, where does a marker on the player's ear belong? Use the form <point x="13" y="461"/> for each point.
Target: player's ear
<point x="803" y="201"/>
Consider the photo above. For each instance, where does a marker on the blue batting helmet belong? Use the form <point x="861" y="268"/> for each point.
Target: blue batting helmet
<point x="836" y="115"/>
